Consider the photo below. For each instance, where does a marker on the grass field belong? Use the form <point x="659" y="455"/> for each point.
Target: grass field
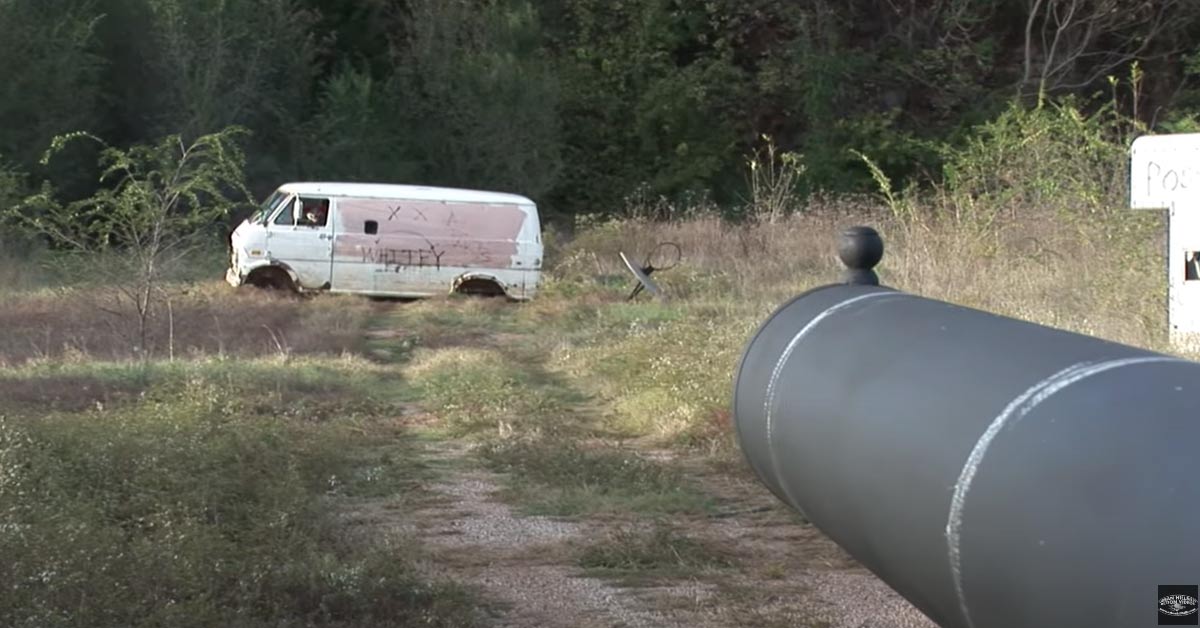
<point x="206" y="479"/>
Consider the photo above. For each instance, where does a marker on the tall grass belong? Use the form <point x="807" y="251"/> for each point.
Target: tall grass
<point x="206" y="500"/>
<point x="1030" y="221"/>
<point x="666" y="368"/>
<point x="22" y="265"/>
<point x="196" y="320"/>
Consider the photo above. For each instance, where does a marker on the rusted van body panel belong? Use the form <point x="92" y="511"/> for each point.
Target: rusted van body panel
<point x="391" y="240"/>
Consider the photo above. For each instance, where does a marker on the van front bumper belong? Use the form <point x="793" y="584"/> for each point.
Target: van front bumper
<point x="233" y="278"/>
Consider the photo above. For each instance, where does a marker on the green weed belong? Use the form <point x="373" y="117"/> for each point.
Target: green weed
<point x="562" y="477"/>
<point x="661" y="551"/>
<point x="204" y="501"/>
<point x="481" y="392"/>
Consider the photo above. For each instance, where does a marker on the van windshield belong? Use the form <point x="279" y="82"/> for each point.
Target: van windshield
<point x="267" y="208"/>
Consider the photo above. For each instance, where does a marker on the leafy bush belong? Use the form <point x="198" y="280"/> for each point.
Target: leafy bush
<point x="1054" y="159"/>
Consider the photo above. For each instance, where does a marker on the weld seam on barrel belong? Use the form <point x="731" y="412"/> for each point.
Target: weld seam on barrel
<point x="778" y="370"/>
<point x="1021" y="406"/>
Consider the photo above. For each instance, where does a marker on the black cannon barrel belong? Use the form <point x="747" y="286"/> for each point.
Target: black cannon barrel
<point x="994" y="472"/>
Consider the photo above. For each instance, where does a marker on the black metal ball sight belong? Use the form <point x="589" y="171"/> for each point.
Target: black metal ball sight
<point x="860" y="249"/>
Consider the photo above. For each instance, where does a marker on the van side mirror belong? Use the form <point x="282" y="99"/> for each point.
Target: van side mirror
<point x="297" y="210"/>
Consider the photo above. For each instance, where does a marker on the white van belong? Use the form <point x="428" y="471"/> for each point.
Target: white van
<point x="390" y="240"/>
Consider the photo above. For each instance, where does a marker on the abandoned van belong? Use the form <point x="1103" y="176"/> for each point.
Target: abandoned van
<point x="390" y="240"/>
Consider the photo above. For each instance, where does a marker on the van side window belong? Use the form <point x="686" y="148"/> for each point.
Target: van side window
<point x="315" y="212"/>
<point x="371" y="227"/>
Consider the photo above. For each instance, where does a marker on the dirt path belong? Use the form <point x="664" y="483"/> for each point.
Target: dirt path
<point x="517" y="560"/>
<point x="781" y="571"/>
<point x="789" y="574"/>
<point x="798" y="575"/>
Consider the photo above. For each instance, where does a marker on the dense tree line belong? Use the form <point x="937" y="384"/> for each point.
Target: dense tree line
<point x="577" y="103"/>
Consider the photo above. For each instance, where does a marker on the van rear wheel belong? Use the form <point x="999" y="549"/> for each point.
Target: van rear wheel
<point x="477" y="286"/>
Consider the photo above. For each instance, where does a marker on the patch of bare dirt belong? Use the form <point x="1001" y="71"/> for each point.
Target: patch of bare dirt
<point x="519" y="561"/>
<point x="793" y="574"/>
<point x="788" y="573"/>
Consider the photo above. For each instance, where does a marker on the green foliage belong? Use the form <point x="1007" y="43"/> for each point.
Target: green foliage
<point x="656" y="94"/>
<point x="1055" y="158"/>
<point x="15" y="248"/>
<point x="482" y="393"/>
<point x="352" y="137"/>
<point x="192" y="508"/>
<point x="657" y="367"/>
<point x="774" y="181"/>
<point x="470" y="102"/>
<point x="478" y="392"/>
<point x="167" y="191"/>
<point x="883" y="182"/>
<point x="473" y="99"/>
<point x="580" y="104"/>
<point x="159" y="204"/>
<point x="50" y="73"/>
<point x="560" y="477"/>
<point x="1185" y="116"/>
<point x="12" y="184"/>
<point x="660" y="551"/>
<point x="193" y="67"/>
<point x="530" y="420"/>
<point x="157" y="199"/>
<point x="904" y="154"/>
<point x="217" y="63"/>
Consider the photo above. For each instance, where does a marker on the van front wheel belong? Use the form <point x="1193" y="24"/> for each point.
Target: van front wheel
<point x="271" y="278"/>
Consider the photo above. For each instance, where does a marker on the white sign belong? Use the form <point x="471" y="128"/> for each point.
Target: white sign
<point x="1165" y="170"/>
<point x="1164" y="173"/>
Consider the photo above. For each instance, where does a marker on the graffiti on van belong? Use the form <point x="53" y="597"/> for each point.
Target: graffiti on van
<point x="395" y="260"/>
<point x="417" y="212"/>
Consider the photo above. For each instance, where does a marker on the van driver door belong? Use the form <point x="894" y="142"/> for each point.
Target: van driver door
<point x="301" y="237"/>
